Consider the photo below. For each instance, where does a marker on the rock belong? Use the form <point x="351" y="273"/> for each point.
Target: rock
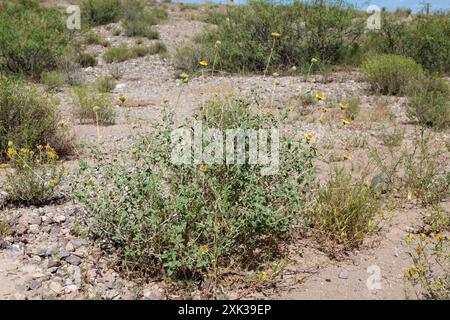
<point x="77" y="243"/>
<point x="74" y="260"/>
<point x="52" y="269"/>
<point x="34" y="228"/>
<point x="56" y="287"/>
<point x="343" y="274"/>
<point x="17" y="248"/>
<point x="3" y="244"/>
<point x="63" y="254"/>
<point x="21" y="229"/>
<point x="70" y="247"/>
<point x="52" y="263"/>
<point x="49" y="251"/>
<point x="75" y="273"/>
<point x="71" y="288"/>
<point x="34" y="284"/>
<point x="152" y="292"/>
<point x="59" y="218"/>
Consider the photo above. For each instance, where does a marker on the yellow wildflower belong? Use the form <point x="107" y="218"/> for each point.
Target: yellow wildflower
<point x="275" y="34"/>
<point x="217" y="44"/>
<point x="183" y="75"/>
<point x="309" y="136"/>
<point x="325" y="109"/>
<point x="277" y="82"/>
<point x="96" y="109"/>
<point x="419" y="250"/>
<point x="320" y="96"/>
<point x="4" y="166"/>
<point x="347" y="157"/>
<point x="10" y="152"/>
<point x="343" y="105"/>
<point x="10" y="143"/>
<point x="275" y="74"/>
<point x="314" y="60"/>
<point x="321" y="120"/>
<point x="62" y="124"/>
<point x="203" y="63"/>
<point x="346" y="121"/>
<point x="54" y="182"/>
<point x="440" y="237"/>
<point x="202" y="168"/>
<point x="122" y="99"/>
<point x="204" y="249"/>
<point x="24" y="150"/>
<point x="422" y="237"/>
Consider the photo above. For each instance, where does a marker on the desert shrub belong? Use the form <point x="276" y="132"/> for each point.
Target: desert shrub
<point x="391" y="74"/>
<point x="429" y="104"/>
<point x="99" y="12"/>
<point x="352" y="107"/>
<point x="35" y="175"/>
<point x="86" y="59"/>
<point x="32" y="37"/>
<point x="106" y="84"/>
<point x="304" y="30"/>
<point x="93" y="106"/>
<point x="429" y="276"/>
<point x="345" y="210"/>
<point x="93" y="38"/>
<point x="28" y="118"/>
<point x="53" y="79"/>
<point x="189" y="220"/>
<point x="138" y="20"/>
<point x="425" y="38"/>
<point x="122" y="53"/>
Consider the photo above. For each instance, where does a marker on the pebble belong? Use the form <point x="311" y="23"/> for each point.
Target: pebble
<point x="71" y="288"/>
<point x="56" y="287"/>
<point x="70" y="247"/>
<point x="34" y="228"/>
<point x="17" y="248"/>
<point x="52" y="263"/>
<point x="59" y="218"/>
<point x="3" y="244"/>
<point x="74" y="260"/>
<point x="63" y="254"/>
<point x="343" y="274"/>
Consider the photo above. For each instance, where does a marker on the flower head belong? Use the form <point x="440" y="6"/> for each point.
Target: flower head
<point x="314" y="60"/>
<point x="309" y="136"/>
<point x="347" y="156"/>
<point x="204" y="249"/>
<point x="62" y="124"/>
<point x="202" y="168"/>
<point x="122" y="99"/>
<point x="203" y="63"/>
<point x="294" y="68"/>
<point x="346" y="121"/>
<point x="275" y="34"/>
<point x="10" y="152"/>
<point x="96" y="109"/>
<point x="343" y="105"/>
<point x="217" y="44"/>
<point x="54" y="182"/>
<point x="10" y="143"/>
<point x="320" y="96"/>
<point x="277" y="82"/>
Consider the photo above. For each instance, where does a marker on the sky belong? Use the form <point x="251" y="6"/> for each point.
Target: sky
<point x="415" y="5"/>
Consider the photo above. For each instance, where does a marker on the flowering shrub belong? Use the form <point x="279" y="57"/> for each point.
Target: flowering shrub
<point x="35" y="175"/>
<point x="189" y="221"/>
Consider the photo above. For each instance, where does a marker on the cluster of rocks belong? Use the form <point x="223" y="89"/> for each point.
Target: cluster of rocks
<point x="55" y="262"/>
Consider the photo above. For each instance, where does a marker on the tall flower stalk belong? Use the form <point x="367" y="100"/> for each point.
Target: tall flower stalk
<point x="275" y="36"/>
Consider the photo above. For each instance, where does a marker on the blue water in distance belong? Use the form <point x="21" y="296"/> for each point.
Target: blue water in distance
<point x="414" y="5"/>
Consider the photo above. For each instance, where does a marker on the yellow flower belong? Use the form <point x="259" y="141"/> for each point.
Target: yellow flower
<point x="62" y="124"/>
<point x="422" y="237"/>
<point x="277" y="82"/>
<point x="10" y="152"/>
<point x="309" y="136"/>
<point x="294" y="68"/>
<point x="217" y="44"/>
<point x="40" y="147"/>
<point x="325" y="109"/>
<point x="90" y="182"/>
<point x="409" y="238"/>
<point x="314" y="60"/>
<point x="54" y="182"/>
<point x="346" y="121"/>
<point x="320" y="96"/>
<point x="203" y="63"/>
<point x="50" y="152"/>
<point x="275" y="74"/>
<point x="122" y="99"/>
<point x="166" y="100"/>
<point x="343" y="105"/>
<point x="10" y="143"/>
<point x="419" y="250"/>
<point x="321" y="120"/>
<point x="96" y="109"/>
<point x="275" y="34"/>
<point x="204" y="249"/>
<point x="24" y="150"/>
<point x="183" y="75"/>
<point x="347" y="157"/>
<point x="4" y="166"/>
<point x="440" y="237"/>
<point x="202" y="168"/>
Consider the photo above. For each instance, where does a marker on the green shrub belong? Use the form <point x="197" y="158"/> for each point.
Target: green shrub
<point x="122" y="53"/>
<point x="429" y="103"/>
<point x="391" y="74"/>
<point x="28" y="119"/>
<point x="87" y="100"/>
<point x="86" y="59"/>
<point x="246" y="37"/>
<point x="138" y="19"/>
<point x="425" y="38"/>
<point x="346" y="210"/>
<point x="32" y="37"/>
<point x="187" y="221"/>
<point x="93" y="38"/>
<point x="106" y="84"/>
<point x="99" y="12"/>
<point x="35" y="175"/>
<point x="53" y="79"/>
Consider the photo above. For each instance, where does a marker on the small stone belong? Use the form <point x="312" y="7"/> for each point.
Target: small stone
<point x="33" y="228"/>
<point x="59" y="218"/>
<point x="74" y="260"/>
<point x="343" y="274"/>
<point x="3" y="244"/>
<point x="17" y="248"/>
<point x="71" y="288"/>
<point x="49" y="251"/>
<point x="63" y="254"/>
<point x="21" y="229"/>
<point x="70" y="247"/>
<point x="56" y="287"/>
<point x="34" y="284"/>
<point x="52" y="269"/>
<point x="77" y="243"/>
<point x="52" y="263"/>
